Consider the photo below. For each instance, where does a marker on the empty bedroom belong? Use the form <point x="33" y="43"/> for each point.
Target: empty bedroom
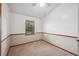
<point x="39" y="29"/>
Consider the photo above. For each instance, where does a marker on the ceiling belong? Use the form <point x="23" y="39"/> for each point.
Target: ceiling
<point x="29" y="9"/>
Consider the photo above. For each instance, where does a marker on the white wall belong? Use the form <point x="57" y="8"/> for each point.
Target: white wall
<point x="62" y="20"/>
<point x="5" y="29"/>
<point x="5" y="21"/>
<point x="18" y="23"/>
<point x="18" y="26"/>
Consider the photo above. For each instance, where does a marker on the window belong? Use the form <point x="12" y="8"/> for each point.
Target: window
<point x="29" y="27"/>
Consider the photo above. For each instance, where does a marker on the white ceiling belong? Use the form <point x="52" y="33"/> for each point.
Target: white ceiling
<point x="35" y="11"/>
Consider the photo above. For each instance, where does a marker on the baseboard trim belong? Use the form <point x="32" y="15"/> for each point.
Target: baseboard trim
<point x="40" y="33"/>
<point x="5" y="38"/>
<point x="21" y="44"/>
<point x="24" y="33"/>
<point x="60" y="34"/>
<point x="17" y="34"/>
<point x="41" y="39"/>
<point x="49" y="34"/>
<point x="45" y="41"/>
<point x="62" y="48"/>
<point x="25" y="43"/>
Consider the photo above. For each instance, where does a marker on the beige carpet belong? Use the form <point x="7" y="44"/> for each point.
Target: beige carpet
<point x="38" y="48"/>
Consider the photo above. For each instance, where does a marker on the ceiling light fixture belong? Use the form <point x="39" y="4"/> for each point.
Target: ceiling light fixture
<point x="40" y="4"/>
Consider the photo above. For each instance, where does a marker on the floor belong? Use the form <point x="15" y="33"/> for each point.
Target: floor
<point x="38" y="48"/>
